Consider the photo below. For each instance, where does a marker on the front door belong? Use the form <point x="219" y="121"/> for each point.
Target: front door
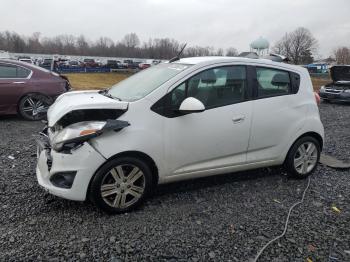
<point x="216" y="139"/>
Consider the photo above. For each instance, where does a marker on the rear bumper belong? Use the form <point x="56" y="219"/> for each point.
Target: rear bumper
<point x="84" y="161"/>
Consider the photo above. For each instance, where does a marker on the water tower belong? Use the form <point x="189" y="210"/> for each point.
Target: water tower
<point x="260" y="46"/>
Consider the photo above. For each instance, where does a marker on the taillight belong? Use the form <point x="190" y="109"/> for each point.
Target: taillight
<point x="317" y="98"/>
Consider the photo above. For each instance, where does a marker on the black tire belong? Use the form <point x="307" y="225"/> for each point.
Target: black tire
<point x="104" y="177"/>
<point x="294" y="153"/>
<point x="34" y="106"/>
<point x="325" y="100"/>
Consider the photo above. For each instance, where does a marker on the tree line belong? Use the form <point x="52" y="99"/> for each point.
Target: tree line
<point x="299" y="46"/>
<point x="129" y="46"/>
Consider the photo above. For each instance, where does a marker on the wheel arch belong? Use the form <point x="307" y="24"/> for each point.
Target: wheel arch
<point x="137" y="154"/>
<point x="315" y="135"/>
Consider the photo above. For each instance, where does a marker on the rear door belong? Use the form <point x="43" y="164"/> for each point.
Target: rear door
<point x="13" y="78"/>
<point x="277" y="112"/>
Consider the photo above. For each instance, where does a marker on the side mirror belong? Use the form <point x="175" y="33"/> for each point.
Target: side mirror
<point x="191" y="105"/>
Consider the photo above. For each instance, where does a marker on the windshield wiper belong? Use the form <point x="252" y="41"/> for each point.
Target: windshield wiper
<point x="104" y="92"/>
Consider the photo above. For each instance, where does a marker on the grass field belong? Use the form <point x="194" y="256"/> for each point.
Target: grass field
<point x="84" y="81"/>
<point x="318" y="82"/>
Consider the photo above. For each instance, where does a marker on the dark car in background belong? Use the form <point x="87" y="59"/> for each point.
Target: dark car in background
<point x="89" y="62"/>
<point x="27" y="89"/>
<point x="113" y="64"/>
<point x="47" y="63"/>
<point x="73" y="64"/>
<point x="339" y="88"/>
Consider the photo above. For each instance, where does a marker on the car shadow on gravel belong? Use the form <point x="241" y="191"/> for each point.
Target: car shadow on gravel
<point x="11" y="118"/>
<point x="53" y="204"/>
<point x="211" y="181"/>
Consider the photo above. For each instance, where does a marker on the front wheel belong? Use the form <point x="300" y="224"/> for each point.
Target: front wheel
<point x="303" y="157"/>
<point x="121" y="185"/>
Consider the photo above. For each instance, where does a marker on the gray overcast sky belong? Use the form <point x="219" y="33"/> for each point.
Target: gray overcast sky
<point x="218" y="23"/>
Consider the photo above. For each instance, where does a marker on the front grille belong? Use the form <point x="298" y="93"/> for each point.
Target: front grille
<point x="333" y="91"/>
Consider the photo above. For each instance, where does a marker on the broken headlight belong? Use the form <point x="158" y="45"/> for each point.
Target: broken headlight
<point x="76" y="134"/>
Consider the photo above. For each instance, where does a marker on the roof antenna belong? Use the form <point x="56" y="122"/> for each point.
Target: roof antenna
<point x="177" y="57"/>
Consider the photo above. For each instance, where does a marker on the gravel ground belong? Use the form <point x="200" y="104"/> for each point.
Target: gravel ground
<point x="225" y="218"/>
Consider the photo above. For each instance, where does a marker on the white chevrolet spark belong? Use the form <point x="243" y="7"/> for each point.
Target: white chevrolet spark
<point x="185" y="119"/>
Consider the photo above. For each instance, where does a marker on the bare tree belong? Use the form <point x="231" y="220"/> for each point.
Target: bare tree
<point x="342" y="55"/>
<point x="131" y="40"/>
<point x="34" y="44"/>
<point x="219" y="52"/>
<point x="82" y="45"/>
<point x="298" y="46"/>
<point x="231" y="51"/>
<point x="68" y="44"/>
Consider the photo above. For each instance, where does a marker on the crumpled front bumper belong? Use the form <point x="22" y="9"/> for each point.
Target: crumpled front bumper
<point x="85" y="160"/>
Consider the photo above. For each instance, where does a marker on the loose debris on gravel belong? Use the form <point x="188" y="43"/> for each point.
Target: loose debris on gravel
<point x="224" y="218"/>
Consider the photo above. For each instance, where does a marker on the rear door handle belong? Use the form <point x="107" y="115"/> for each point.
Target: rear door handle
<point x="19" y="82"/>
<point x="238" y="119"/>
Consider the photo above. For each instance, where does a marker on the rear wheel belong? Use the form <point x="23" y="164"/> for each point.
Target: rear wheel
<point x="303" y="157"/>
<point x="34" y="106"/>
<point x="121" y="185"/>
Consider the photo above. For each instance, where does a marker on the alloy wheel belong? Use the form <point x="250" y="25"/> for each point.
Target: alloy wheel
<point x="34" y="106"/>
<point x="305" y="158"/>
<point x="122" y="186"/>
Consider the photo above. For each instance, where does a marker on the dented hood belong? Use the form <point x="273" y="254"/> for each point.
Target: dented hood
<point x="78" y="100"/>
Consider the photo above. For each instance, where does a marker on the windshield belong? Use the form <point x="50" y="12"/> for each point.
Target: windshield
<point x="141" y="84"/>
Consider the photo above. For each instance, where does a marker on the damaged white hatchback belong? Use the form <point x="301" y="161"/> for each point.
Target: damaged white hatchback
<point x="189" y="118"/>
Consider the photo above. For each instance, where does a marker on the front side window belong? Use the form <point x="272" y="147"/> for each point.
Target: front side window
<point x="213" y="87"/>
<point x="272" y="82"/>
<point x="141" y="84"/>
<point x="8" y="71"/>
<point x="12" y="71"/>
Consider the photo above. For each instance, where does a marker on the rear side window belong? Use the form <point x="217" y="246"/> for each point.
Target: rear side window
<point x="22" y="72"/>
<point x="12" y="71"/>
<point x="272" y="82"/>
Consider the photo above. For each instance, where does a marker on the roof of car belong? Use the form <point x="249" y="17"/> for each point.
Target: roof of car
<point x="201" y="59"/>
<point x="207" y="60"/>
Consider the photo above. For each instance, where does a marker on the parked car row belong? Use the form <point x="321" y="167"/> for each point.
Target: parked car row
<point x="63" y="62"/>
<point x="50" y="63"/>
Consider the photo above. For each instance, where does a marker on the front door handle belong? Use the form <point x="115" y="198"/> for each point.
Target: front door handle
<point x="238" y="119"/>
<point x="18" y="82"/>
